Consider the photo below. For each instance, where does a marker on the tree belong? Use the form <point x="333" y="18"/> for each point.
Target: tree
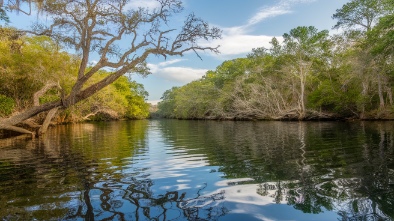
<point x="260" y="92"/>
<point x="366" y="14"/>
<point x="29" y="63"/>
<point x="302" y="48"/>
<point x="103" y="27"/>
<point x="167" y="105"/>
<point x="121" y="99"/>
<point x="383" y="36"/>
<point x="228" y="71"/>
<point x="361" y="13"/>
<point x="196" y="100"/>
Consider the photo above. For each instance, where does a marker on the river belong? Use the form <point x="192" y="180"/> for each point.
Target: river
<point x="201" y="170"/>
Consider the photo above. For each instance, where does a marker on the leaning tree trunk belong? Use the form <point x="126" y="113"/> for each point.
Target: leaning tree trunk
<point x="74" y="97"/>
<point x="9" y="123"/>
<point x="43" y="129"/>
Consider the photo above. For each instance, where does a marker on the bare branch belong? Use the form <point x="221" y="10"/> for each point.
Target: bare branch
<point x="42" y="91"/>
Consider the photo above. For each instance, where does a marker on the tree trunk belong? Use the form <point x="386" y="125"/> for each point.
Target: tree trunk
<point x="302" y="98"/>
<point x="302" y="75"/>
<point x="389" y="95"/>
<point x="9" y="123"/>
<point x="38" y="94"/>
<point x="16" y="129"/>
<point x="43" y="129"/>
<point x="73" y="98"/>
<point x="363" y="94"/>
<point x="380" y="92"/>
<point x="13" y="120"/>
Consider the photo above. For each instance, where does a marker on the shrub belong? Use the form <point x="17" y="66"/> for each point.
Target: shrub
<point x="6" y="105"/>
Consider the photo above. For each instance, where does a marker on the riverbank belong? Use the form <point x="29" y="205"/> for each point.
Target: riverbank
<point x="289" y="116"/>
<point x="310" y="115"/>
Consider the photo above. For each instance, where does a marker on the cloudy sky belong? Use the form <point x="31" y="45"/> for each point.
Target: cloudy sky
<point x="246" y="24"/>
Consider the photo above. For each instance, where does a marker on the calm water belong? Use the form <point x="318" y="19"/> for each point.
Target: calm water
<point x="201" y="170"/>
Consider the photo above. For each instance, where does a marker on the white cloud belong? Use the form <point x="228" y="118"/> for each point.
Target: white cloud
<point x="282" y="8"/>
<point x="181" y="74"/>
<point x="231" y="45"/>
<point x="269" y="12"/>
<point x="173" y="61"/>
<point x="178" y="74"/>
<point x="237" y="40"/>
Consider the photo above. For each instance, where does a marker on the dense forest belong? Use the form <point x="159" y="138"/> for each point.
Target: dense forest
<point x="36" y="70"/>
<point x="307" y="74"/>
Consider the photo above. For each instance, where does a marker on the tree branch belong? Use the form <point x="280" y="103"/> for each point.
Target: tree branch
<point x="42" y="91"/>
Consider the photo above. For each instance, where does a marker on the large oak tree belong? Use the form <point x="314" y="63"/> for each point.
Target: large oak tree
<point x="122" y="36"/>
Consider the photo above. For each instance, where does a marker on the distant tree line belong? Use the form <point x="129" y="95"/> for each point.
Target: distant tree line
<point x="308" y="75"/>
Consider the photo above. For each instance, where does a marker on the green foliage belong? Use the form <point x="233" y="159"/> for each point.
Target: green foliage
<point x="136" y="95"/>
<point x="122" y="99"/>
<point x="7" y="105"/>
<point x="167" y="106"/>
<point x="382" y="36"/>
<point x="228" y="71"/>
<point x="361" y="13"/>
<point x="334" y="97"/>
<point x="196" y="100"/>
<point x="308" y="75"/>
<point x="29" y="63"/>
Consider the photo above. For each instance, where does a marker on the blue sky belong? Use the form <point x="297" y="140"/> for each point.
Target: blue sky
<point x="246" y="24"/>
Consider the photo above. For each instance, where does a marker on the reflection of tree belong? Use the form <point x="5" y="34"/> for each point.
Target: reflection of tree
<point x="359" y="188"/>
<point x="198" y="208"/>
<point x="314" y="166"/>
<point x="307" y="197"/>
<point x="145" y="205"/>
<point x="375" y="188"/>
<point x="39" y="178"/>
<point x="85" y="172"/>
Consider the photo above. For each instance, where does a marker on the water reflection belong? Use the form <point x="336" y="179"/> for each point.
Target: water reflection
<point x="315" y="167"/>
<point x="201" y="170"/>
<point x="95" y="172"/>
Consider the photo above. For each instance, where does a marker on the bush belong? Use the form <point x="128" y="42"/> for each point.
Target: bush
<point x="7" y="105"/>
